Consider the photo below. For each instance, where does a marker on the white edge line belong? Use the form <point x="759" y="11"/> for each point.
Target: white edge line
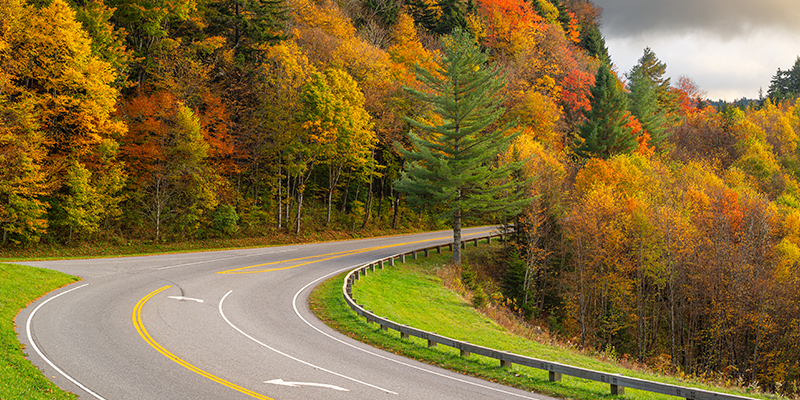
<point x="224" y="259"/>
<point x="291" y="357"/>
<point x="36" y="348"/>
<point x="296" y="311"/>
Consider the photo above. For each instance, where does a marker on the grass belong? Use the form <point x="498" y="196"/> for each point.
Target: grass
<point x="121" y="247"/>
<point x="19" y="286"/>
<point x="437" y="309"/>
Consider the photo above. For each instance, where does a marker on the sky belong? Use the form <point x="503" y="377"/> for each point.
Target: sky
<point x="729" y="48"/>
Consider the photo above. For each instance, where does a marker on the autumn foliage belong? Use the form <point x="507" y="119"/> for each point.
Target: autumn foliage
<point x="174" y="120"/>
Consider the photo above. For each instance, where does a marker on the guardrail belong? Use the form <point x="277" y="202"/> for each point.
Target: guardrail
<point x="617" y="382"/>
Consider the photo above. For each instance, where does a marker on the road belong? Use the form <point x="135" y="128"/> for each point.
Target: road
<point x="224" y="325"/>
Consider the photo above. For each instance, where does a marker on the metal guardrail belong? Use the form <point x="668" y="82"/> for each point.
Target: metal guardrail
<point x="555" y="370"/>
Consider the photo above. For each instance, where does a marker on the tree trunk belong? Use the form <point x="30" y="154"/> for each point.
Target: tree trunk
<point x="396" y="211"/>
<point x="299" y="208"/>
<point x="457" y="237"/>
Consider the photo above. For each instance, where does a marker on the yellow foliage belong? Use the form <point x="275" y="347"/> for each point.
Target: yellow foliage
<point x="538" y="115"/>
<point x="325" y="16"/>
<point x="549" y="10"/>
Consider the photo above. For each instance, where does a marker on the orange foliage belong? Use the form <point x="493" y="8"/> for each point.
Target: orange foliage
<point x="506" y="19"/>
<point x="642" y="136"/>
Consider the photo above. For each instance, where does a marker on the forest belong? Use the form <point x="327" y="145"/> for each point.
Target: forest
<point x="655" y="226"/>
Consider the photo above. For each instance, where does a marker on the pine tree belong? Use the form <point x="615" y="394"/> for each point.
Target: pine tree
<point x="785" y="85"/>
<point x="249" y="24"/>
<point x="604" y="132"/>
<point x="453" y="160"/>
<point x="593" y="42"/>
<point x="654" y="69"/>
<point x="643" y="104"/>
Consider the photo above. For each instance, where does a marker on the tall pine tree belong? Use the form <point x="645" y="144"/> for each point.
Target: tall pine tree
<point x="604" y="133"/>
<point x="643" y="104"/>
<point x="453" y="163"/>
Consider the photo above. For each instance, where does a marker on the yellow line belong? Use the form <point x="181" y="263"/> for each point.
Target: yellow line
<point x="137" y="322"/>
<point x="329" y="256"/>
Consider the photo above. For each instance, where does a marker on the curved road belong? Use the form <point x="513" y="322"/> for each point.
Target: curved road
<point x="224" y="325"/>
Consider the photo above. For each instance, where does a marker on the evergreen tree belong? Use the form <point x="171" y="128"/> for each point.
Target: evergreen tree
<point x="593" y="42"/>
<point x="248" y="24"/>
<point x="453" y="160"/>
<point x="654" y="69"/>
<point x="643" y="104"/>
<point x="785" y="85"/>
<point x="604" y="132"/>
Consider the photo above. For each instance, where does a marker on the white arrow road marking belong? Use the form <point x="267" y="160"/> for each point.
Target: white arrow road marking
<point x="184" y="298"/>
<point x="298" y="384"/>
<point x="291" y="357"/>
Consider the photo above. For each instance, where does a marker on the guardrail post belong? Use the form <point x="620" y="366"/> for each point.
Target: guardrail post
<point x="476" y="243"/>
<point x="463" y="244"/>
<point x="414" y="254"/>
<point x="464" y="353"/>
<point x="431" y="343"/>
<point x="450" y="247"/>
<point x="438" y="249"/>
<point x="505" y="364"/>
<point x="554" y="376"/>
<point x="488" y="240"/>
<point x="391" y="261"/>
<point x="426" y="252"/>
<point x="617" y="390"/>
<point x="380" y="264"/>
<point x="384" y="327"/>
<point x="403" y="258"/>
<point x="403" y="335"/>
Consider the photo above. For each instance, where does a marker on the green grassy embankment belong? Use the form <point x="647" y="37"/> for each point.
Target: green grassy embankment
<point x="19" y="286"/>
<point x="413" y="294"/>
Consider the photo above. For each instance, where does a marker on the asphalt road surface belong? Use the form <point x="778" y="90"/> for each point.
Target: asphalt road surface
<point x="225" y="325"/>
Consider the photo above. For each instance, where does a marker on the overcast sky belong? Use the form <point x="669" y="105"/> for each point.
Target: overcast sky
<point x="730" y="48"/>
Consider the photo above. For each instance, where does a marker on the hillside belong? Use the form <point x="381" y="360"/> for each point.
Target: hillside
<point x="657" y="226"/>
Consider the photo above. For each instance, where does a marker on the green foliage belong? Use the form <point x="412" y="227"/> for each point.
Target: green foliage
<point x="453" y="160"/>
<point x="249" y="25"/>
<point x="785" y="85"/>
<point x="604" y="133"/>
<point x="643" y="104"/>
<point x="225" y="220"/>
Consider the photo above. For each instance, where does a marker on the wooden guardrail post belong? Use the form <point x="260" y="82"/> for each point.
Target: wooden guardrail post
<point x="554" y="376"/>
<point x="426" y="252"/>
<point x="414" y="254"/>
<point x="391" y="261"/>
<point x="403" y="258"/>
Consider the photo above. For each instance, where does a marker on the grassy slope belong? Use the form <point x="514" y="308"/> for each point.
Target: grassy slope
<point x="387" y="292"/>
<point x="19" y="286"/>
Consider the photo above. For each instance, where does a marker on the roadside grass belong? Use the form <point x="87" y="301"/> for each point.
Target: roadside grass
<point x="413" y="295"/>
<point x="116" y="246"/>
<point x="19" y="378"/>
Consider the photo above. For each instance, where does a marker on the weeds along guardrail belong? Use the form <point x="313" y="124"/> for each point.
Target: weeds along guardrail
<point x="555" y="370"/>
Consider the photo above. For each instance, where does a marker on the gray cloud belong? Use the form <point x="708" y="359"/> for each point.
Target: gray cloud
<point x="724" y="19"/>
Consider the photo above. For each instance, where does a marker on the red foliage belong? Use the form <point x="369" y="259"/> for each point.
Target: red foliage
<point x="577" y="87"/>
<point x="689" y="96"/>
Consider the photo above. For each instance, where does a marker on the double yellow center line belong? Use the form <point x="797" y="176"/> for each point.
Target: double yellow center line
<point x="137" y="310"/>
